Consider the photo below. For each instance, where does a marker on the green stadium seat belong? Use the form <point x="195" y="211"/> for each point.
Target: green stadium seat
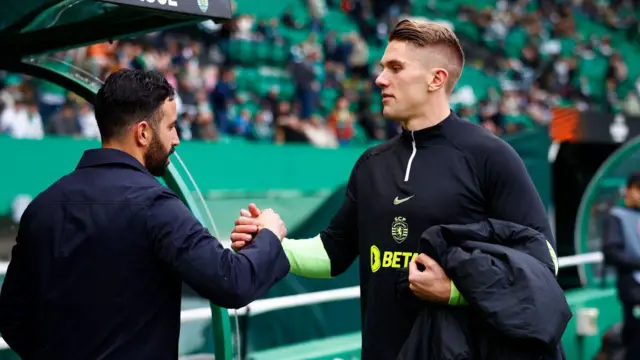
<point x="263" y="9"/>
<point x="257" y="53"/>
<point x="515" y="42"/>
<point x="339" y="22"/>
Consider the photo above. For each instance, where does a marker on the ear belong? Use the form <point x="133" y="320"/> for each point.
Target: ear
<point x="439" y="78"/>
<point x="143" y="133"/>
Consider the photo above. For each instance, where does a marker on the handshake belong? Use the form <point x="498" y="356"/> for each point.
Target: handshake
<point x="253" y="220"/>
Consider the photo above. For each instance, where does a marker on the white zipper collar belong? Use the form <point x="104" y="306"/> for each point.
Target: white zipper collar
<point x="413" y="154"/>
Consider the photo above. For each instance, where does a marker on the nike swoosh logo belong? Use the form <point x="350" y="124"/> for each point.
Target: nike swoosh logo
<point x="397" y="201"/>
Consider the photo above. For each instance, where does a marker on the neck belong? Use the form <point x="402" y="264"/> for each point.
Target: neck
<point x="438" y="111"/>
<point x="117" y="145"/>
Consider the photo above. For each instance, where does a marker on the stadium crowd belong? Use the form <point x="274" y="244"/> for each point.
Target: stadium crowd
<point x="532" y="48"/>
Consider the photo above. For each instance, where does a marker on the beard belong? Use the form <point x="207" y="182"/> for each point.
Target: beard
<point x="156" y="159"/>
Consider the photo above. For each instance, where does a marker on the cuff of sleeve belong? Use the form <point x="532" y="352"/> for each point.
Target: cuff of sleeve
<point x="308" y="257"/>
<point x="455" y="298"/>
<point x="281" y="265"/>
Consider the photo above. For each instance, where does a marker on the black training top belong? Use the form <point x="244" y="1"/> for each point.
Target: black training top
<point x="453" y="173"/>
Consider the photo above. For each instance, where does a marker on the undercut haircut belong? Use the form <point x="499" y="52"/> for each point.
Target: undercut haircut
<point x="633" y="180"/>
<point x="424" y="34"/>
<point x="129" y="97"/>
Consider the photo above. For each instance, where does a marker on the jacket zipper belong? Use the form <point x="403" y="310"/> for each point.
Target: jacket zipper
<point x="413" y="154"/>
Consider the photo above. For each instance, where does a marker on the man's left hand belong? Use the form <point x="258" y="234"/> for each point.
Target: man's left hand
<point x="432" y="284"/>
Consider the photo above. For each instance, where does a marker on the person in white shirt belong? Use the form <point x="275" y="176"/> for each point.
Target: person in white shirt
<point x="22" y="121"/>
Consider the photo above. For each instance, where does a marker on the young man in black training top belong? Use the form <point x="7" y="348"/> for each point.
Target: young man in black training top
<point x="440" y="170"/>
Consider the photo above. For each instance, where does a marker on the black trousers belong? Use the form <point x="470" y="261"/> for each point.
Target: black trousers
<point x="631" y="331"/>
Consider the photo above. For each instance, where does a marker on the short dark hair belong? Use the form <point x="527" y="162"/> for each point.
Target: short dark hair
<point x="128" y="97"/>
<point x="633" y="180"/>
<point x="425" y="33"/>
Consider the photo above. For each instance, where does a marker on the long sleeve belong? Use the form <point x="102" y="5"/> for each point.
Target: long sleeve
<point x="308" y="257"/>
<point x="15" y="304"/>
<point x="511" y="196"/>
<point x="340" y="239"/>
<point x="227" y="279"/>
<point x="510" y="193"/>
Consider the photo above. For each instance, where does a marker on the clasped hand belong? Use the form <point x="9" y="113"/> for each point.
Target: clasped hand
<point x="430" y="284"/>
<point x="252" y="221"/>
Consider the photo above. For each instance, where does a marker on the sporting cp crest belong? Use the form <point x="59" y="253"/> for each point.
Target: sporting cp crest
<point x="203" y="5"/>
<point x="399" y="229"/>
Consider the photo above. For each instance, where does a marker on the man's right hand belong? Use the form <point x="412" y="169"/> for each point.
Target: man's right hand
<point x="252" y="221"/>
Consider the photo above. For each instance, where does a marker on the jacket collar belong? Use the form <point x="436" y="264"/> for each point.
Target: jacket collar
<point x="100" y="157"/>
<point x="422" y="137"/>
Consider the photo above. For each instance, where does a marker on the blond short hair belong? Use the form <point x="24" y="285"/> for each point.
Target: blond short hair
<point x="430" y="34"/>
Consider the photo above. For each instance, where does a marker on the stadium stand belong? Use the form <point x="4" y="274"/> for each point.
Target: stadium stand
<point x="303" y="71"/>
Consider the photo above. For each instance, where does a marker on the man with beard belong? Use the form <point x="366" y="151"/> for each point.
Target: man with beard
<point x="100" y="256"/>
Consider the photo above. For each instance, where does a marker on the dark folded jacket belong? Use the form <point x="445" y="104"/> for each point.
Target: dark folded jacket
<point x="507" y="273"/>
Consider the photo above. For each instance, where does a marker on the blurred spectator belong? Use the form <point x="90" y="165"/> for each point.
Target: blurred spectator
<point x="222" y="99"/>
<point x="204" y="127"/>
<point x="241" y="124"/>
<point x="88" y="123"/>
<point x="341" y="121"/>
<point x="64" y="122"/>
<point x="22" y="121"/>
<point x="306" y="82"/>
<point x="288" y="125"/>
<point x="319" y="134"/>
<point x="307" y="74"/>
<point x="260" y="129"/>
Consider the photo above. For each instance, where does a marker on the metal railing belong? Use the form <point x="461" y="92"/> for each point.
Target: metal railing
<point x="285" y="302"/>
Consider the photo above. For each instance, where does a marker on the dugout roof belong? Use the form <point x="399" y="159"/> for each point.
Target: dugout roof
<point x="33" y="27"/>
